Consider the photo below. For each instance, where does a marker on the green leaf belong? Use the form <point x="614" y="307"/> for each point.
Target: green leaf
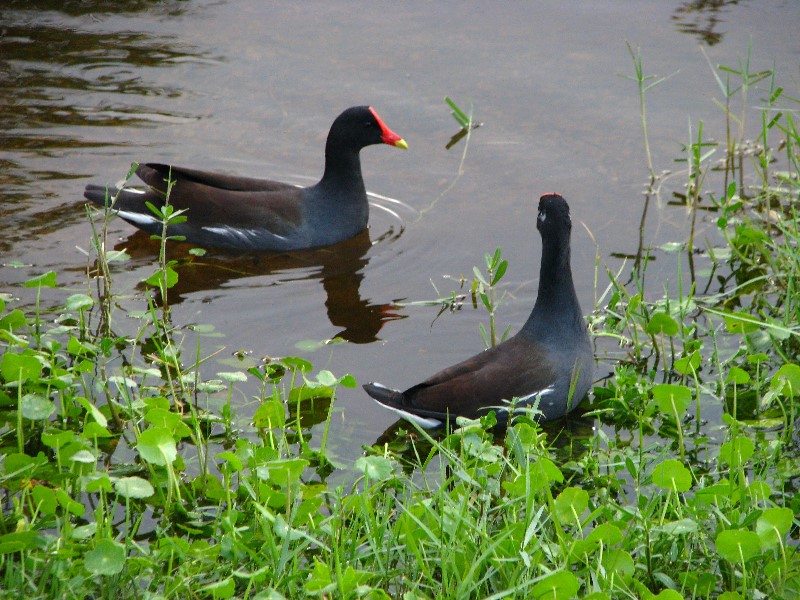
<point x="91" y="409"/>
<point x="78" y="302"/>
<point x="55" y="438"/>
<point x="283" y="472"/>
<point x="319" y="580"/>
<point x="163" y="279"/>
<point x="134" y="487"/>
<point x="156" y="210"/>
<point x="672" y="475"/>
<point x="156" y="445"/>
<point x="93" y="430"/>
<point x="98" y="482"/>
<point x="351" y="580"/>
<point x="738" y="545"/>
<point x="13" y="320"/>
<point x="701" y="583"/>
<point x="77" y="348"/>
<point x="161" y="417"/>
<point x="730" y="596"/>
<point x="36" y="407"/>
<point x="773" y="525"/>
<point x="19" y="541"/>
<point x="740" y="322"/>
<point x="486" y="304"/>
<point x="672" y="399"/>
<point x="786" y="380"/>
<point x="759" y="491"/>
<point x="619" y="562"/>
<point x="668" y="595"/>
<point x="376" y="468"/>
<point x="297" y="364"/>
<point x="18" y="464"/>
<point x="537" y="477"/>
<point x="44" y="499"/>
<point x="234" y="463"/>
<point x="501" y="270"/>
<point x="20" y="367"/>
<point x="270" y="415"/>
<point x="84" y="532"/>
<point x="679" y="527"/>
<point x="83" y="456"/>
<point x="348" y="381"/>
<point x="562" y="585"/>
<point x="571" y="503"/>
<point x="44" y="280"/>
<point x="543" y="471"/>
<point x="661" y="322"/>
<point x="737" y="451"/>
<point x="233" y="376"/>
<point x="225" y="588"/>
<point x="327" y="378"/>
<point x="458" y="114"/>
<point x="117" y="256"/>
<point x="107" y="558"/>
<point x="607" y="533"/>
<point x="672" y="247"/>
<point x="737" y="376"/>
<point x="687" y="365"/>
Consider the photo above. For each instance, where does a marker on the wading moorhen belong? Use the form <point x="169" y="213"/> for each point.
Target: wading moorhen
<point x="226" y="211"/>
<point x="549" y="361"/>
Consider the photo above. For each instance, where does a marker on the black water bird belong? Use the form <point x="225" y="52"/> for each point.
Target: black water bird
<point x="226" y="211"/>
<point x="549" y="361"/>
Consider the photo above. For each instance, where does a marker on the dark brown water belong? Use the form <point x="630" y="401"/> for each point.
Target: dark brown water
<point x="251" y="88"/>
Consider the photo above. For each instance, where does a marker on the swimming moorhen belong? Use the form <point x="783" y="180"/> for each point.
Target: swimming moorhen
<point x="550" y="360"/>
<point x="226" y="211"/>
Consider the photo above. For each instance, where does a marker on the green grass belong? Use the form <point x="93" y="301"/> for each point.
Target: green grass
<point x="126" y="475"/>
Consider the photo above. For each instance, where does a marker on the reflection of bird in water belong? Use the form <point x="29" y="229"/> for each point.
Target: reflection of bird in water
<point x="701" y="18"/>
<point x="340" y="269"/>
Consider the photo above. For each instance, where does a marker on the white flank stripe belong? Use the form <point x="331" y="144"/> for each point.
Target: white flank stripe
<point x="425" y="423"/>
<point x="233" y="232"/>
<point x="136" y="217"/>
<point x="538" y="393"/>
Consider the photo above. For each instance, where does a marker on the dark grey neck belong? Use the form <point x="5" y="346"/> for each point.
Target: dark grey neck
<point x="342" y="171"/>
<point x="557" y="312"/>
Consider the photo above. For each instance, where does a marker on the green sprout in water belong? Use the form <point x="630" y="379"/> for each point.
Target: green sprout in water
<point x="463" y="119"/>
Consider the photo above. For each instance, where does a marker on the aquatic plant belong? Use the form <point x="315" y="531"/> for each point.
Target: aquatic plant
<point x="127" y="473"/>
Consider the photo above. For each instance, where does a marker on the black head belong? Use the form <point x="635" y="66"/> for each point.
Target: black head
<point x="553" y="219"/>
<point x="360" y="126"/>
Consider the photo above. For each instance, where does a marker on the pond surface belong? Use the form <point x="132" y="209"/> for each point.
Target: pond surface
<point x="251" y="88"/>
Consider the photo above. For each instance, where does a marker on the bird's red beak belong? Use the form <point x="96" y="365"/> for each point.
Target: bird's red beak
<point x="389" y="136"/>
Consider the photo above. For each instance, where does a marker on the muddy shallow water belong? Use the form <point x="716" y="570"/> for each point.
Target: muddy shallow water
<point x="251" y="88"/>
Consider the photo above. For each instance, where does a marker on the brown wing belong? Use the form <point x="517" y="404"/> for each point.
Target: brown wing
<point x="155" y="175"/>
<point x="216" y="199"/>
<point x="515" y="368"/>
